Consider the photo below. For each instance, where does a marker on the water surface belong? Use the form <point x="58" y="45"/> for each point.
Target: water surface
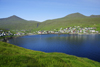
<point x="78" y="45"/>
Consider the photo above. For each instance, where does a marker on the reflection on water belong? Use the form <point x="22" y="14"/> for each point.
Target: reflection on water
<point x="79" y="45"/>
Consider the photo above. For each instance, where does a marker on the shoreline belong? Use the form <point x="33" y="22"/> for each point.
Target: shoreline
<point x="7" y="38"/>
<point x="71" y="33"/>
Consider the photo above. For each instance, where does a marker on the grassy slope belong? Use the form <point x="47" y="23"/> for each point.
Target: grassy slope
<point x="75" y="19"/>
<point x="21" y="24"/>
<point x="62" y="22"/>
<point x="17" y="23"/>
<point x="14" y="56"/>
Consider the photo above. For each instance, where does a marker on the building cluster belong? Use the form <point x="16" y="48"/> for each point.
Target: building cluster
<point x="19" y="34"/>
<point x="3" y="33"/>
<point x="71" y="30"/>
<point x="68" y="30"/>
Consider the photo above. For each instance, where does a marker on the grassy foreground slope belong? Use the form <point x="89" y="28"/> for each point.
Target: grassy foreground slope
<point x="14" y="56"/>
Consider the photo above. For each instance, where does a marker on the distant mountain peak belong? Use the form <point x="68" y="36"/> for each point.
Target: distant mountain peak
<point x="75" y="15"/>
<point x="14" y="17"/>
<point x="95" y="16"/>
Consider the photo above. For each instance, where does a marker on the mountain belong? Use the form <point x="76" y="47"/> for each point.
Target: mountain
<point x="15" y="22"/>
<point x="74" y="19"/>
<point x="74" y="16"/>
<point x="14" y="56"/>
<point x="12" y="18"/>
<point x="93" y="16"/>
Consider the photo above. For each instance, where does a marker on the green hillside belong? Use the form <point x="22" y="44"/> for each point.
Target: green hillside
<point x="17" y="23"/>
<point x="14" y="56"/>
<point x="75" y="19"/>
<point x="95" y="16"/>
<point x="74" y="16"/>
<point x="86" y="22"/>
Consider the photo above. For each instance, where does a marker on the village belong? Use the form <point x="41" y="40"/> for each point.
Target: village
<point x="72" y="30"/>
<point x="68" y="30"/>
<point x="5" y="33"/>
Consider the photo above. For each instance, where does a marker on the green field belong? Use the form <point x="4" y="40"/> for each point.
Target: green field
<point x="14" y="56"/>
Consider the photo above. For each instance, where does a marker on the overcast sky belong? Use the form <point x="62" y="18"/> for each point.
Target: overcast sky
<point x="41" y="10"/>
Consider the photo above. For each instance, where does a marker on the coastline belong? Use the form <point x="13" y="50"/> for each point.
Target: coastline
<point x="6" y="39"/>
<point x="71" y="33"/>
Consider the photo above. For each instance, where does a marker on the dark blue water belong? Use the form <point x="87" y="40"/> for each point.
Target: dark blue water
<point x="78" y="45"/>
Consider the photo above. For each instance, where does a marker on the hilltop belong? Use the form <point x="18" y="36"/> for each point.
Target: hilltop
<point x="74" y="16"/>
<point x="74" y="19"/>
<point x="12" y="18"/>
<point x="94" y="16"/>
<point x="14" y="56"/>
<point x="15" y="22"/>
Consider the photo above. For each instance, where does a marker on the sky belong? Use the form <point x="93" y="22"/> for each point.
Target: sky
<point x="41" y="10"/>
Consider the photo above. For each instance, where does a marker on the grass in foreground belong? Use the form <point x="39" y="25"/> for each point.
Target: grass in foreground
<point x="14" y="56"/>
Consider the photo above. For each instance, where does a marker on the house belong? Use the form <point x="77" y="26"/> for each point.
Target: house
<point x="39" y="32"/>
<point x="93" y="31"/>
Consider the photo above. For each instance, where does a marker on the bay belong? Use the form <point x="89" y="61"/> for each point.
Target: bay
<point x="87" y="46"/>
